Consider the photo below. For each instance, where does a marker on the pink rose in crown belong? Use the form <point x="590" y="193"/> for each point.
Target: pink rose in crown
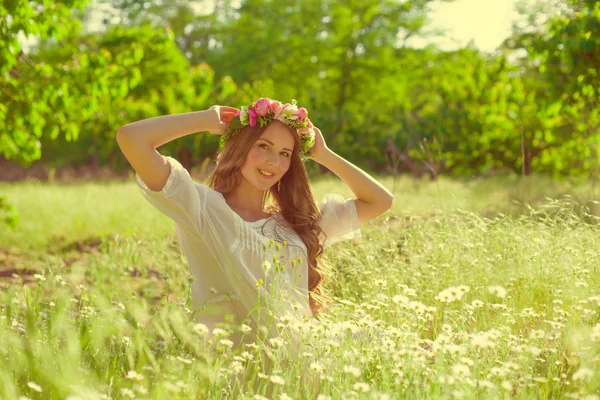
<point x="253" y="116"/>
<point x="303" y="132"/>
<point x="302" y="114"/>
<point x="262" y="106"/>
<point x="276" y="107"/>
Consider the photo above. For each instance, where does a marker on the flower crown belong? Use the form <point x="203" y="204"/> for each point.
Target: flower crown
<point x="266" y="110"/>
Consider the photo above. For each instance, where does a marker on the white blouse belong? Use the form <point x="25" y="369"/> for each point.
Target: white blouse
<point x="233" y="256"/>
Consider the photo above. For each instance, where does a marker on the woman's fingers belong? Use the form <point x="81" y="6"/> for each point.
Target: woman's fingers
<point x="226" y="114"/>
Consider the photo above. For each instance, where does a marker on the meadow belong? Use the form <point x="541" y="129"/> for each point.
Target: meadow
<point x="475" y="289"/>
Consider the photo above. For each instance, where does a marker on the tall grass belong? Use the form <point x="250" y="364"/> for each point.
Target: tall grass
<point x="482" y="289"/>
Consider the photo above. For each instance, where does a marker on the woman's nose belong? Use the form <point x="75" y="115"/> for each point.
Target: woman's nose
<point x="272" y="160"/>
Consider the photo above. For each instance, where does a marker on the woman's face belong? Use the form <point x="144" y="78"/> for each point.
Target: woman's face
<point x="270" y="154"/>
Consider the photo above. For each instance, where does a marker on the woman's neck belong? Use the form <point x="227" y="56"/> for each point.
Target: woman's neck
<point x="248" y="204"/>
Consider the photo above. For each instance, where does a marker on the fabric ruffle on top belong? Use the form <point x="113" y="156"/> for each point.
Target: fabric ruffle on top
<point x="227" y="253"/>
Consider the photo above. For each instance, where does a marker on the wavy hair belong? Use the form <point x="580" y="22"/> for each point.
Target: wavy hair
<point x="295" y="201"/>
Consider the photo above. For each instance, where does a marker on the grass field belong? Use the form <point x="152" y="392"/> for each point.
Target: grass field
<point x="482" y="289"/>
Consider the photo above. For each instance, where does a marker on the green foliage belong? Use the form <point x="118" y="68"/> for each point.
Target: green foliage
<point x="483" y="111"/>
<point x="346" y="62"/>
<point x="9" y="212"/>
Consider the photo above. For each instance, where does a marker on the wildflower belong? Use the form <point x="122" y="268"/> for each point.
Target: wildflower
<point x="284" y="396"/>
<point x="595" y="336"/>
<point x="277" y="380"/>
<point x="253" y="346"/>
<point x="258" y="283"/>
<point x="349" y="369"/>
<point x="317" y="367"/>
<point x="461" y="370"/>
<point x="246" y="328"/>
<point x="220" y="332"/>
<point x="201" y="329"/>
<point x="266" y="266"/>
<point x="276" y="342"/>
<point x="141" y="389"/>
<point x="323" y="397"/>
<point x="537" y="334"/>
<point x="485" y="384"/>
<point x="237" y="367"/>
<point x="447" y="328"/>
<point x="451" y="294"/>
<point x="381" y="283"/>
<point x="477" y="303"/>
<point x="226" y="343"/>
<point x="35" y="387"/>
<point x="480" y="341"/>
<point x="128" y="392"/>
<point x="185" y="360"/>
<point x="170" y="387"/>
<point x="134" y="376"/>
<point x="467" y="361"/>
<point x="583" y="374"/>
<point x="497" y="291"/>
<point x="447" y="380"/>
<point x="213" y="290"/>
<point x="534" y="351"/>
<point x="39" y="277"/>
<point x="400" y="299"/>
<point x="454" y="349"/>
<point x="506" y="385"/>
<point x="361" y="387"/>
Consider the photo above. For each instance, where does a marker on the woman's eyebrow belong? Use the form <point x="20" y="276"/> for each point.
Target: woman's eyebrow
<point x="271" y="143"/>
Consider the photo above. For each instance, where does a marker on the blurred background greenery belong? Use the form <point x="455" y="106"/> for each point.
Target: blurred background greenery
<point x="73" y="72"/>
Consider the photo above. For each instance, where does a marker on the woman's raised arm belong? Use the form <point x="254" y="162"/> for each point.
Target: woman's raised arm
<point x="138" y="140"/>
<point x="372" y="198"/>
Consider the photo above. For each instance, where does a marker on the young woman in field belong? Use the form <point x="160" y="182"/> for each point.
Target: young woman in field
<point x="254" y="231"/>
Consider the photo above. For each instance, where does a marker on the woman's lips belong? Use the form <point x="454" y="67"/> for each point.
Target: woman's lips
<point x="265" y="176"/>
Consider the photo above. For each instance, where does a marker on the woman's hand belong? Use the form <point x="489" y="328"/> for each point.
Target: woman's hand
<point x="224" y="116"/>
<point x="320" y="148"/>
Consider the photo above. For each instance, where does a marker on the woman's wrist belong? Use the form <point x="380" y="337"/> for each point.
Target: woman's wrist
<point x="209" y="120"/>
<point x="323" y="156"/>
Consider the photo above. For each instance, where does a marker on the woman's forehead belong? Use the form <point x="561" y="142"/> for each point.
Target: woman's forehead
<point x="279" y="135"/>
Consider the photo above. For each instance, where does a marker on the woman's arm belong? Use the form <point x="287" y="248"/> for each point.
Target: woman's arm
<point x="138" y="141"/>
<point x="372" y="199"/>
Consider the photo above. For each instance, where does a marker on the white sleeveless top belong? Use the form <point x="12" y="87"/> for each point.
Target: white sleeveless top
<point x="227" y="253"/>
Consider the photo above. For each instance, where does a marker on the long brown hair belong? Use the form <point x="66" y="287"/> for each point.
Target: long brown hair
<point x="294" y="201"/>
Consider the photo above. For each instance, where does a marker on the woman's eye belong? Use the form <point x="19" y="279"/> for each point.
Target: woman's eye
<point x="285" y="153"/>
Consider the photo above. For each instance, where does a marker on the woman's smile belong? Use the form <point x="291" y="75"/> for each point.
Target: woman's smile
<point x="265" y="174"/>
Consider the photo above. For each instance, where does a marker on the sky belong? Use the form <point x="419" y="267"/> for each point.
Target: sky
<point x="486" y="22"/>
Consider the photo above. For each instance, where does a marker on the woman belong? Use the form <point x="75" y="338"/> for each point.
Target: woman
<point x="254" y="233"/>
